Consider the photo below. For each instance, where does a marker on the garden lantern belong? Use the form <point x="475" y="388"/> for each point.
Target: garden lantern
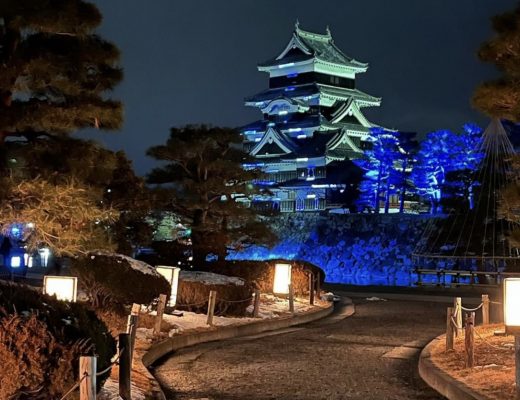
<point x="282" y="278"/>
<point x="171" y="274"/>
<point x="44" y="256"/>
<point x="63" y="287"/>
<point x="16" y="261"/>
<point x="512" y="320"/>
<point x="28" y="260"/>
<point x="512" y="305"/>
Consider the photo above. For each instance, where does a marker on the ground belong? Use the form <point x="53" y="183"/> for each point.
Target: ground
<point x="350" y="359"/>
<point x="494" y="371"/>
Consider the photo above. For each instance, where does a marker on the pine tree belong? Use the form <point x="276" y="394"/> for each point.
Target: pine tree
<point x="205" y="176"/>
<point x="378" y="162"/>
<point x="54" y="70"/>
<point x="447" y="164"/>
<point x="55" y="76"/>
<point x="500" y="98"/>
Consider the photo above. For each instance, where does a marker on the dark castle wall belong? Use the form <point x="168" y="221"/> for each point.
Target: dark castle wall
<point x="356" y="248"/>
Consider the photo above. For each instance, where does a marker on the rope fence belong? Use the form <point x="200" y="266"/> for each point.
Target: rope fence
<point x="455" y="327"/>
<point x="73" y="388"/>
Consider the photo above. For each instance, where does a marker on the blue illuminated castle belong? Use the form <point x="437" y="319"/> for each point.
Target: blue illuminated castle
<point x="312" y="124"/>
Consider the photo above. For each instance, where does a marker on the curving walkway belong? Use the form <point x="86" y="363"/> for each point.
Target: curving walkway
<point x="371" y="355"/>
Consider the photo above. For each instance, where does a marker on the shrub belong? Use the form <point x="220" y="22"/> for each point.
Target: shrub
<point x="41" y="340"/>
<point x="114" y="280"/>
<point x="194" y="288"/>
<point x="261" y="273"/>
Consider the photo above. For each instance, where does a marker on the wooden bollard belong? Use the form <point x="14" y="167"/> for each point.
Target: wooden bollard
<point x="211" y="306"/>
<point x="131" y="327"/>
<point x="291" y="298"/>
<point x="517" y="365"/>
<point x="485" y="309"/>
<point x="125" y="366"/>
<point x="256" y="306"/>
<point x="87" y="374"/>
<point x="160" y="311"/>
<point x="318" y="285"/>
<point x="450" y="330"/>
<point x="469" y="340"/>
<point x="457" y="304"/>
<point x="311" y="288"/>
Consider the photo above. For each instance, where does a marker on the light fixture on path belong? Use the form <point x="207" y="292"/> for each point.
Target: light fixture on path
<point x="282" y="278"/>
<point x="171" y="274"/>
<point x="63" y="287"/>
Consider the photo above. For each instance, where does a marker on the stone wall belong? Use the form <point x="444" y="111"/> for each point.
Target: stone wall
<point x="355" y="248"/>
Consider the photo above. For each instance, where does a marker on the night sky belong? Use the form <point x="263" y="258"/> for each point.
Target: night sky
<point x="194" y="61"/>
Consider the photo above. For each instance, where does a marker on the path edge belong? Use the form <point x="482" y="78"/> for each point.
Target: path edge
<point x="440" y="381"/>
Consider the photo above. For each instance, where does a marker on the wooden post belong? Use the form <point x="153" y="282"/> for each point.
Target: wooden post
<point x="311" y="288"/>
<point x="136" y="309"/>
<point x="131" y="327"/>
<point x="450" y="330"/>
<point x="87" y="374"/>
<point x="125" y="367"/>
<point x="469" y="340"/>
<point x="211" y="306"/>
<point x="457" y="304"/>
<point x="256" y="307"/>
<point x="318" y="285"/>
<point x="485" y="309"/>
<point x="291" y="298"/>
<point x="517" y="363"/>
<point x="160" y="312"/>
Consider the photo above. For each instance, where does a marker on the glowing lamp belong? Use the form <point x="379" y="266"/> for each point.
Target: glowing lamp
<point x="282" y="278"/>
<point x="28" y="260"/>
<point x="63" y="287"/>
<point x="44" y="256"/>
<point x="16" y="262"/>
<point x="512" y="305"/>
<point x="171" y="274"/>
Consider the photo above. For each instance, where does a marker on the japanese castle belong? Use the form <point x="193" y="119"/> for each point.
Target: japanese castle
<point x="312" y="124"/>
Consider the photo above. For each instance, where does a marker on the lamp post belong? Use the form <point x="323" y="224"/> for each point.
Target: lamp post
<point x="171" y="274"/>
<point x="63" y="287"/>
<point x="512" y="320"/>
<point x="282" y="278"/>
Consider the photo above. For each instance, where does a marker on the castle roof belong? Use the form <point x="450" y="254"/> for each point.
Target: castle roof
<point x="337" y="93"/>
<point x="313" y="46"/>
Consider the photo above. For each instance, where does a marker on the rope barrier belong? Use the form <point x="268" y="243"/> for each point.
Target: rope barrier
<point x="113" y="361"/>
<point x="496" y="302"/>
<point x="472" y="309"/>
<point x="73" y="388"/>
<point x="236" y="301"/>
<point x="192" y="304"/>
<point x="489" y="344"/>
<point x="455" y="323"/>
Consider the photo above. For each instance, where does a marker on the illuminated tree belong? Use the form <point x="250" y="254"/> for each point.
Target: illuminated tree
<point x="54" y="71"/>
<point x="500" y="98"/>
<point x="204" y="173"/>
<point x="378" y="162"/>
<point x="55" y="76"/>
<point x="447" y="164"/>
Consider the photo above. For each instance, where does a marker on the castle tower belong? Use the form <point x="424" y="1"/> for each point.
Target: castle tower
<point x="312" y="122"/>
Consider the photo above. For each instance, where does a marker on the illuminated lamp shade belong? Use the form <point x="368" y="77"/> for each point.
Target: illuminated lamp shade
<point x="16" y="261"/>
<point x="282" y="278"/>
<point x="63" y="287"/>
<point x="512" y="305"/>
<point x="171" y="274"/>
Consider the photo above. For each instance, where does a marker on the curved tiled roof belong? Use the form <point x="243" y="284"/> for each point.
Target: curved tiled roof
<point x="320" y="46"/>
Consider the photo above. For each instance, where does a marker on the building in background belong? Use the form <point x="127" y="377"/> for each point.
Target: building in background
<point x="312" y="126"/>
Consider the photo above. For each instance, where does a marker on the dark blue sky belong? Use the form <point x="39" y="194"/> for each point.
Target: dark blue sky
<point x="194" y="61"/>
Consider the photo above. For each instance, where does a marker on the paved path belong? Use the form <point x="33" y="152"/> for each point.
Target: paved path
<point x="371" y="355"/>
